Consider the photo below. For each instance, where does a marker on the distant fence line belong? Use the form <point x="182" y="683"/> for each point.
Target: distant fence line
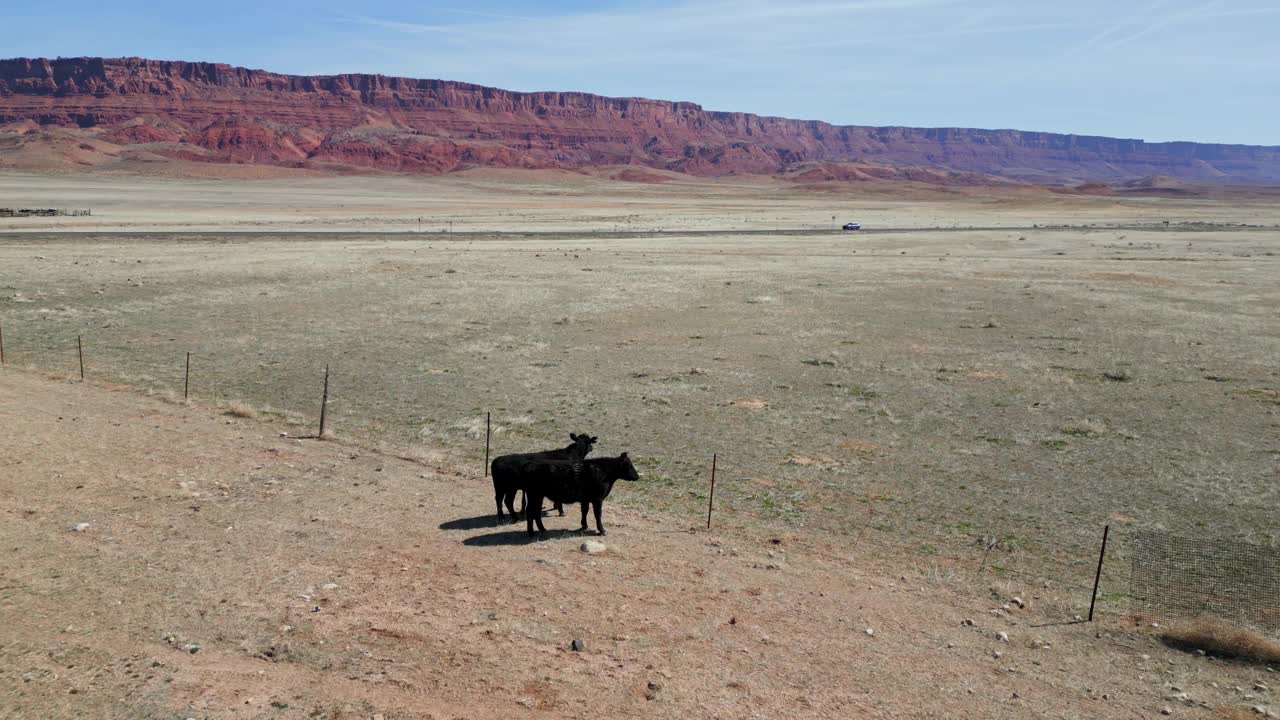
<point x="44" y="212"/>
<point x="1170" y="576"/>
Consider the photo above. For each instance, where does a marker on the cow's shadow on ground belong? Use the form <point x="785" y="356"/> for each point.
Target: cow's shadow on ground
<point x="474" y="523"/>
<point x="483" y="521"/>
<point x="517" y="537"/>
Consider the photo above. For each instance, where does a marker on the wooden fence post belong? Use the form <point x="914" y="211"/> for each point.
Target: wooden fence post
<point x="186" y="381"/>
<point x="80" y="350"/>
<point x="1" y="343"/>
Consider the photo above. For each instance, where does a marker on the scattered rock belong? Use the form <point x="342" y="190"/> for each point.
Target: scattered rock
<point x="593" y="547"/>
<point x="329" y="586"/>
<point x="870" y="632"/>
<point x="1002" y="636"/>
<point x="1166" y="711"/>
<point x="997" y="654"/>
<point x="80" y="527"/>
<point x="1019" y="602"/>
<point x="576" y="645"/>
<point x="966" y="623"/>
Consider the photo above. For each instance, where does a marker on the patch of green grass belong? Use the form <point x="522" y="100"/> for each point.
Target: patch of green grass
<point x="1266" y="395"/>
<point x="1056" y="444"/>
<point x="994" y="440"/>
<point x="862" y="392"/>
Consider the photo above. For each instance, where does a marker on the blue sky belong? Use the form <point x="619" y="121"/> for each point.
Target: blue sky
<point x="1154" y="69"/>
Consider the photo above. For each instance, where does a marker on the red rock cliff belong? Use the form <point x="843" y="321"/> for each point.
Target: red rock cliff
<point x="224" y="113"/>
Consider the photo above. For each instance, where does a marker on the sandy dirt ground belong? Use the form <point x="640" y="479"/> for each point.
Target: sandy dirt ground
<point x="914" y="426"/>
<point x="223" y="570"/>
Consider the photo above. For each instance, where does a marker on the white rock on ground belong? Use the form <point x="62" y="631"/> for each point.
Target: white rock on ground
<point x="593" y="547"/>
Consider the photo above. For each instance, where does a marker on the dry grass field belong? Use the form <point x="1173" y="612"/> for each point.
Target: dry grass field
<point x="946" y="416"/>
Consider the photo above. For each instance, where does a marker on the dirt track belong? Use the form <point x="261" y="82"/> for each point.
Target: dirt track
<point x="218" y="531"/>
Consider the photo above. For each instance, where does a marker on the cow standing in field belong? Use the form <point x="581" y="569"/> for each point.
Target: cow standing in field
<point x="583" y="481"/>
<point x="509" y="471"/>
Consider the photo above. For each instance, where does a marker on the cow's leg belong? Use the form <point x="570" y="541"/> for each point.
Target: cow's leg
<point x="510" y="499"/>
<point x="584" y="517"/>
<point x="595" y="505"/>
<point x="560" y="508"/>
<point x="535" y="501"/>
<point x="528" y="523"/>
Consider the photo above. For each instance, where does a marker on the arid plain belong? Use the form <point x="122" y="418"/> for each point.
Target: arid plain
<point x="913" y="424"/>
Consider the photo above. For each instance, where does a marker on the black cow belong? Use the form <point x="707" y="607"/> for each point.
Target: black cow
<point x="508" y="471"/>
<point x="582" y="481"/>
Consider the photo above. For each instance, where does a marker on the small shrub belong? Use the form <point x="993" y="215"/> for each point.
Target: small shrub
<point x="241" y="409"/>
<point x="1222" y="640"/>
<point x="1117" y="375"/>
<point x="1087" y="428"/>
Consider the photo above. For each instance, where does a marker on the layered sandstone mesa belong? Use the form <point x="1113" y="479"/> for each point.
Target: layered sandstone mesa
<point x="215" y="112"/>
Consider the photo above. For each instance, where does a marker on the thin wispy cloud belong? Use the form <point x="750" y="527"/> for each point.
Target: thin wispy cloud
<point x="1132" y="19"/>
<point x="477" y="13"/>
<point x="1198" y="12"/>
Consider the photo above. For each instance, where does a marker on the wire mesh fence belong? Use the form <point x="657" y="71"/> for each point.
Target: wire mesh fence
<point x="1192" y="578"/>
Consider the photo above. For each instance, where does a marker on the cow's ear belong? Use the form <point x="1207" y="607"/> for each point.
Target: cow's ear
<point x="624" y="456"/>
<point x="573" y="436"/>
<point x="595" y="439"/>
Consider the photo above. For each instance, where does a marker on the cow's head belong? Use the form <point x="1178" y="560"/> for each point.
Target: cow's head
<point x="626" y="470"/>
<point x="582" y="444"/>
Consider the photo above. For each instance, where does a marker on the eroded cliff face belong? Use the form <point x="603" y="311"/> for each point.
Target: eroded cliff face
<point x="216" y="112"/>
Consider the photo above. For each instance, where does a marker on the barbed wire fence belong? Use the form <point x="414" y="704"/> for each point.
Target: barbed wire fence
<point x="1168" y="576"/>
